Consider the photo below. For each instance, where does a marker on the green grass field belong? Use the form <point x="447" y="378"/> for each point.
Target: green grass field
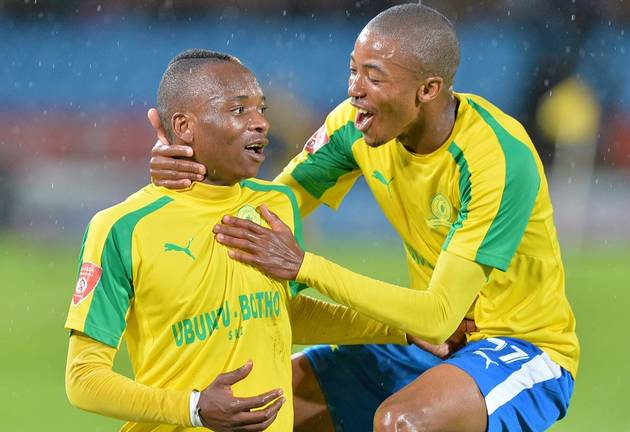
<point x="38" y="279"/>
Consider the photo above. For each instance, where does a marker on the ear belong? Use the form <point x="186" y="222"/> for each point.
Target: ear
<point x="183" y="127"/>
<point x="430" y="88"/>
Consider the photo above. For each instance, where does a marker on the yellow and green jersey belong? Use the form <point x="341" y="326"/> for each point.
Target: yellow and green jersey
<point x="152" y="271"/>
<point x="482" y="196"/>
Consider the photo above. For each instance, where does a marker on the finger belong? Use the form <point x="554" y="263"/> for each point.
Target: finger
<point x="245" y="257"/>
<point x="154" y="119"/>
<point x="232" y="377"/>
<point x="253" y="402"/>
<point x="272" y="219"/>
<point x="235" y="242"/>
<point x="469" y="326"/>
<point x="159" y="162"/>
<point x="241" y="233"/>
<point x="259" y="427"/>
<point x="243" y="223"/>
<point x="257" y="420"/>
<point x="160" y="174"/>
<point x="170" y="151"/>
<point x="173" y="184"/>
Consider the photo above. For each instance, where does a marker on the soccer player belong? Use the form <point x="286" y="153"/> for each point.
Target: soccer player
<point x="461" y="182"/>
<point x="192" y="318"/>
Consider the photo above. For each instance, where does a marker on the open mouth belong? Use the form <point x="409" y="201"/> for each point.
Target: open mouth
<point x="363" y="120"/>
<point x="257" y="148"/>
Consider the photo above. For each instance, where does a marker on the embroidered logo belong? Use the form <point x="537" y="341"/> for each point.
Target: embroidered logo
<point x="89" y="275"/>
<point x="442" y="210"/>
<point x="249" y="213"/>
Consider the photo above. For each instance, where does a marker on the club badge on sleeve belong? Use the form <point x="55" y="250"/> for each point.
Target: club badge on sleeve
<point x="89" y="276"/>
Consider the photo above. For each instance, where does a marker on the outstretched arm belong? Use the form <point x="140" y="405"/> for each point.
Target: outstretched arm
<point x="432" y="315"/>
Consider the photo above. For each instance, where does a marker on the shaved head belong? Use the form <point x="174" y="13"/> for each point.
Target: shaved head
<point x="424" y="34"/>
<point x="181" y="82"/>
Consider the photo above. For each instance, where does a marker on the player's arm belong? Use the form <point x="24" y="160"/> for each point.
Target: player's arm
<point x="92" y="385"/>
<point x="432" y="315"/>
<point x="314" y="321"/>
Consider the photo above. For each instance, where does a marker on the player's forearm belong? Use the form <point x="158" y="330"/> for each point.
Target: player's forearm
<point x="432" y="315"/>
<point x="315" y="321"/>
<point x="92" y="386"/>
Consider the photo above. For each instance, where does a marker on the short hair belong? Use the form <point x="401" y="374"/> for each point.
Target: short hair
<point x="177" y="82"/>
<point x="425" y="34"/>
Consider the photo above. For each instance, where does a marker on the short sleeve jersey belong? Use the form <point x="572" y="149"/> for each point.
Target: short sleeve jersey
<point x="482" y="195"/>
<point x="151" y="271"/>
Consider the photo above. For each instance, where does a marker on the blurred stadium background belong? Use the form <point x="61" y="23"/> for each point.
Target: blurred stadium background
<point x="78" y="76"/>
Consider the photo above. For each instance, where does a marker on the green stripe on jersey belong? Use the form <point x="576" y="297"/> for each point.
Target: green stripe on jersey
<point x="465" y="190"/>
<point x="297" y="222"/>
<point x="522" y="182"/>
<point x="105" y="321"/>
<point x="321" y="170"/>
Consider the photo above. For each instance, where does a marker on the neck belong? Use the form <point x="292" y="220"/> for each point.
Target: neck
<point x="429" y="133"/>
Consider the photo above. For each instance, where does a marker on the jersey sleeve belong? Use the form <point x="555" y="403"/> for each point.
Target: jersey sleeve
<point x="326" y="168"/>
<point x="497" y="191"/>
<point x="104" y="286"/>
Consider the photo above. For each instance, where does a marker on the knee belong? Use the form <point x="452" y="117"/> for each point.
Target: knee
<point x="396" y="418"/>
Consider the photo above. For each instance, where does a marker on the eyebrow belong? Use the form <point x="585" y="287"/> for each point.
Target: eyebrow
<point x="370" y="65"/>
<point x="243" y="97"/>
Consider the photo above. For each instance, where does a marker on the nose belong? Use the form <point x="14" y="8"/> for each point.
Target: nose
<point x="258" y="123"/>
<point x="355" y="86"/>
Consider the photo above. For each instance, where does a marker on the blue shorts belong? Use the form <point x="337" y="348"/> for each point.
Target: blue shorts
<point x="524" y="390"/>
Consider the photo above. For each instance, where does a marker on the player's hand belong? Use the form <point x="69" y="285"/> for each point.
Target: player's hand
<point x="274" y="251"/>
<point x="165" y="167"/>
<point x="222" y="412"/>
<point x="452" y="344"/>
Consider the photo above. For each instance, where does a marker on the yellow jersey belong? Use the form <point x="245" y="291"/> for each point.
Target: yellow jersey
<point x="482" y="196"/>
<point x="152" y="270"/>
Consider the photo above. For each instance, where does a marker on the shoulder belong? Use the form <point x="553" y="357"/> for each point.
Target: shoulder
<point x="492" y="141"/>
<point x="125" y="215"/>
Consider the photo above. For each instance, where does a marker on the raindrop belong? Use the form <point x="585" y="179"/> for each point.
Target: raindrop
<point x="572" y="17"/>
<point x="98" y="8"/>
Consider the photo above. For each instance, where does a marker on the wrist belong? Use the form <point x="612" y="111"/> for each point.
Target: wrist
<point x="195" y="414"/>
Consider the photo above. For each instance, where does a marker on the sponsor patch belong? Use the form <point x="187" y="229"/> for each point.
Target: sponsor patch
<point x="89" y="276"/>
<point x="318" y="140"/>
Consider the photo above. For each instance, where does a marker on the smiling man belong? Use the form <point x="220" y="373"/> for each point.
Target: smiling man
<point x="465" y="189"/>
<point x="150" y="269"/>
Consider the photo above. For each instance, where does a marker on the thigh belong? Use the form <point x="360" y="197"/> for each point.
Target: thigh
<point x="355" y="379"/>
<point x="445" y="398"/>
<point x="523" y="389"/>
<point x="309" y="405"/>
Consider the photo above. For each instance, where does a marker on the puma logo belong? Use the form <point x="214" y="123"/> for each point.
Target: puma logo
<point x="173" y="247"/>
<point x="381" y="178"/>
<point x="486" y="358"/>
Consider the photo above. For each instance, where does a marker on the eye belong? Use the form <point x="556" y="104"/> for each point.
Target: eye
<point x="374" y="80"/>
<point x="238" y="110"/>
<point x="263" y="108"/>
<point x="352" y="71"/>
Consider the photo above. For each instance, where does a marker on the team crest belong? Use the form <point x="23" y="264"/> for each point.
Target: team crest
<point x="442" y="210"/>
<point x="249" y="213"/>
<point x="89" y="275"/>
<point x="318" y="140"/>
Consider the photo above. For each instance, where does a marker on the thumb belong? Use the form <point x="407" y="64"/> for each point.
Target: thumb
<point x="156" y="123"/>
<point x="232" y="377"/>
<point x="273" y="220"/>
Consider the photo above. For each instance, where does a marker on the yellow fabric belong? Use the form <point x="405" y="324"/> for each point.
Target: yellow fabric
<point x="315" y="321"/>
<point x="482" y="196"/>
<point x="93" y="386"/>
<point x="188" y="312"/>
<point x="432" y="314"/>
